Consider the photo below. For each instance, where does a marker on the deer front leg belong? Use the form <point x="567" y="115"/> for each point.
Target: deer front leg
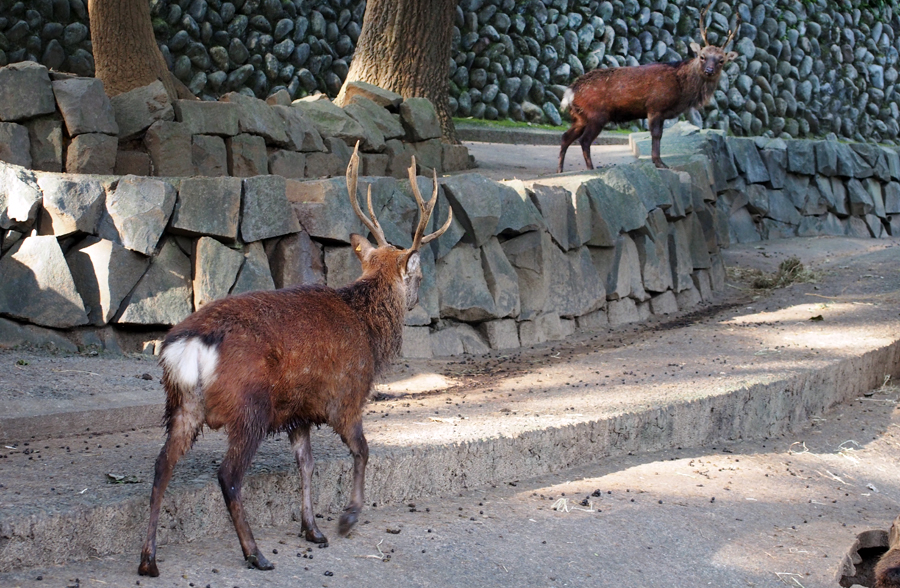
<point x="656" y="131"/>
<point x="303" y="453"/>
<point x="359" y="448"/>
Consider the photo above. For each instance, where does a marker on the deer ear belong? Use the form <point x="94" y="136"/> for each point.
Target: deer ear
<point x="732" y="55"/>
<point x="412" y="263"/>
<point x="695" y="48"/>
<point x="361" y="246"/>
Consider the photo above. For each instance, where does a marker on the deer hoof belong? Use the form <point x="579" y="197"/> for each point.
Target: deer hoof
<point x="348" y="519"/>
<point x="315" y="536"/>
<point x="148" y="567"/>
<point x="256" y="560"/>
<point x="659" y="164"/>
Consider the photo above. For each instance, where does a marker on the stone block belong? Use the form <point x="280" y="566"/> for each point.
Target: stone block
<point x="593" y="321"/>
<point x="703" y="284"/>
<point x="13" y="335"/>
<point x="545" y="327"/>
<point x="420" y="119"/>
<point x="577" y="287"/>
<point x="556" y="208"/>
<point x="742" y="228"/>
<point x="688" y="298"/>
<point x="463" y="290"/>
<point x="856" y="227"/>
<point x="132" y="163"/>
<point x="331" y="120"/>
<point x="104" y="273"/>
<point x="861" y="202"/>
<point x="92" y="153"/>
<point x="209" y="156"/>
<point x="826" y="158"/>
<point x="297" y="260"/>
<point x="893" y="162"/>
<point x="826" y="224"/>
<point x="258" y="118"/>
<point x="801" y="157"/>
<point x="323" y="208"/>
<point x="892" y="198"/>
<point x="615" y="200"/>
<point x="25" y="91"/>
<point x="300" y="132"/>
<point x="216" y="267"/>
<point x="776" y="166"/>
<point x="850" y="164"/>
<point x="446" y="342"/>
<point x="416" y="343"/>
<point x="622" y="312"/>
<point x="816" y="202"/>
<point x="46" y="144"/>
<point x="621" y="269"/>
<point x="208" y="118"/>
<point x="287" y="164"/>
<point x="374" y="138"/>
<point x="265" y="210"/>
<point x="169" y="146"/>
<point x="876" y="229"/>
<point x="399" y="157"/>
<point x="246" y="156"/>
<point x="749" y="162"/>
<point x="664" y="304"/>
<point x="501" y="278"/>
<point x="429" y="156"/>
<point x="208" y="206"/>
<point x="454" y="158"/>
<point x="873" y="187"/>
<point x="15" y="145"/>
<point x="476" y="204"/>
<point x="518" y="213"/>
<point x="70" y="205"/>
<point x="324" y="165"/>
<point x="37" y="286"/>
<point x="137" y="109"/>
<point x="383" y="98"/>
<point x="500" y="334"/>
<point x="840" y="204"/>
<point x="529" y="254"/>
<point x="84" y="106"/>
<point x="20" y="197"/>
<point x="782" y="208"/>
<point x="374" y="164"/>
<point x="137" y="213"/>
<point x="773" y="229"/>
<point x="389" y="125"/>
<point x="680" y="255"/>
<point x="254" y="274"/>
<point x="163" y="294"/>
<point x="894" y="225"/>
<point x="342" y="266"/>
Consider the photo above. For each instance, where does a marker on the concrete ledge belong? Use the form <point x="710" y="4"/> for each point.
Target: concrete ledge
<point x="481" y="134"/>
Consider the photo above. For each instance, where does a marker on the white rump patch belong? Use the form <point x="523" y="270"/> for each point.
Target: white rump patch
<point x="190" y="363"/>
<point x="568" y="95"/>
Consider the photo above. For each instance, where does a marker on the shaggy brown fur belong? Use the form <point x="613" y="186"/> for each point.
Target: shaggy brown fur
<point x="887" y="572"/>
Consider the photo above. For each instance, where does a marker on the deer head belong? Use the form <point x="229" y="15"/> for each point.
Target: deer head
<point x="405" y="263"/>
<point x="711" y="57"/>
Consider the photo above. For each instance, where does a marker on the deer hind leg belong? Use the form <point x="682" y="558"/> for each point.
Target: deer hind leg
<point x="303" y="453"/>
<point x="656" y="131"/>
<point x="183" y="428"/>
<point x="354" y="439"/>
<point x="567" y="139"/>
<point x="591" y="131"/>
<point x="243" y="441"/>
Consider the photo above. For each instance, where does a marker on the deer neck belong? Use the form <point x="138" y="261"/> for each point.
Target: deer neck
<point x="381" y="306"/>
<point x="696" y="87"/>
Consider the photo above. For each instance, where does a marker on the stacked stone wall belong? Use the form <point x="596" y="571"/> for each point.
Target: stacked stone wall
<point x="805" y="68"/>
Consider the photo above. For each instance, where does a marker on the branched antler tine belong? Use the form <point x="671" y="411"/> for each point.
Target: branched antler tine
<point x="378" y="232"/>
<point x="732" y="33"/>
<point x="352" y="177"/>
<point x="703" y="22"/>
<point x="425" y="209"/>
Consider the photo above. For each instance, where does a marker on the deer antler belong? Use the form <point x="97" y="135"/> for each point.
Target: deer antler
<point x="425" y="210"/>
<point x="732" y="33"/>
<point x="371" y="224"/>
<point x="703" y="22"/>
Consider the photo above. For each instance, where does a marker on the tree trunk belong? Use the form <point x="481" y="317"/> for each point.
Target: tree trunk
<point x="404" y="47"/>
<point x="125" y="52"/>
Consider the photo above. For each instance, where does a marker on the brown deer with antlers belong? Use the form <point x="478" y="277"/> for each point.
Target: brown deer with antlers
<point x="656" y="91"/>
<point x="286" y="360"/>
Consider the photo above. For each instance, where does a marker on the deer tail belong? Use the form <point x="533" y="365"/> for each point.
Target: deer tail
<point x="567" y="98"/>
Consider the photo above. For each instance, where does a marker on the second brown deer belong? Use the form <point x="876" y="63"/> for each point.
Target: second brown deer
<point x="286" y="360"/>
<point x="655" y="91"/>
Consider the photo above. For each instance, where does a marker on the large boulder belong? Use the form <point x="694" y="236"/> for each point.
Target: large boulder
<point x="37" y="285"/>
<point x="104" y="273"/>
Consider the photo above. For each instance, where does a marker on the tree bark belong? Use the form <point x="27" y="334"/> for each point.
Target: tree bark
<point x="404" y="47"/>
<point x="125" y="52"/>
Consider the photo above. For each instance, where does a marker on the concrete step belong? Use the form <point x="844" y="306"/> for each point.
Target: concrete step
<point x="749" y="368"/>
<point x="518" y="136"/>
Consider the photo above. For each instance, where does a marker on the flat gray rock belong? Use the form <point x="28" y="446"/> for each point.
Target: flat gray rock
<point x="389" y="124"/>
<point x="137" y="109"/>
<point x="420" y="119"/>
<point x="46" y="144"/>
<point x="25" y="91"/>
<point x="749" y="162"/>
<point x="296" y="260"/>
<point x="71" y="204"/>
<point x="20" y="197"/>
<point x="374" y="138"/>
<point x="463" y="290"/>
<point x="163" y="294"/>
<point x="577" y="287"/>
<point x="827" y="157"/>
<point x="653" y="253"/>
<point x="861" y="202"/>
<point x="500" y="334"/>
<point x="518" y="214"/>
<point x="170" y="148"/>
<point x="300" y="132"/>
<point x="84" y="106"/>
<point x="801" y="157"/>
<point x="323" y="208"/>
<point x="742" y="228"/>
<point x="208" y="206"/>
<point x="330" y="120"/>
<point x="501" y="278"/>
<point x="15" y="144"/>
<point x="204" y="117"/>
<point x="258" y="118"/>
<point x="383" y="98"/>
<point x="680" y="256"/>
<point x="265" y="210"/>
<point x="104" y="273"/>
<point x="137" y="213"/>
<point x="216" y="267"/>
<point x="209" y="156"/>
<point x="92" y="153"/>
<point x="246" y="155"/>
<point x="476" y="204"/>
<point x="37" y="286"/>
